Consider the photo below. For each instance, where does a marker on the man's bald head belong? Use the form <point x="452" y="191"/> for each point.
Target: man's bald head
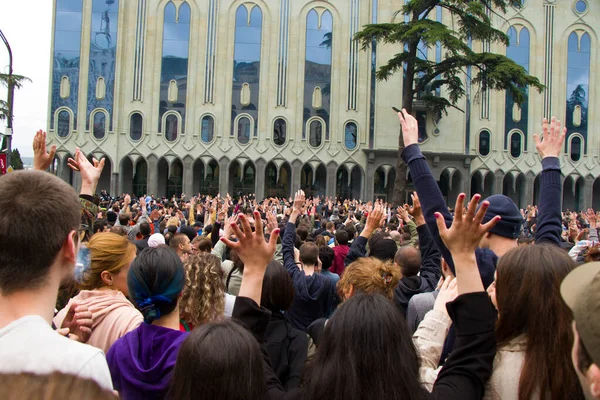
<point x="409" y="260"/>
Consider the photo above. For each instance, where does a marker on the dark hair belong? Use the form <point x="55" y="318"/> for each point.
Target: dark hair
<point x="529" y="303"/>
<point x="100" y="225"/>
<point x="204" y="244"/>
<point x="351" y="229"/>
<point x="342" y="237"/>
<point x="326" y="255"/>
<point x="321" y="241"/>
<point x="38" y="211"/>
<point x="145" y="229"/>
<point x="222" y="361"/>
<point x="124" y="219"/>
<point x="278" y="289"/>
<point x="330" y="225"/>
<point x="172" y="229"/>
<point x="303" y="233"/>
<point x="155" y="280"/>
<point x="409" y="260"/>
<point x="119" y="230"/>
<point x="309" y="253"/>
<point x="593" y="253"/>
<point x="388" y="370"/>
<point x="168" y="236"/>
<point x="177" y="239"/>
<point x="56" y="385"/>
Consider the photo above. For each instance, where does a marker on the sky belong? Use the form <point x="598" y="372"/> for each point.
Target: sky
<point x="27" y="25"/>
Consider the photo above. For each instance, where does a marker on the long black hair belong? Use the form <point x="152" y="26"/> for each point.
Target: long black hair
<point x="219" y="361"/>
<point x="366" y="353"/>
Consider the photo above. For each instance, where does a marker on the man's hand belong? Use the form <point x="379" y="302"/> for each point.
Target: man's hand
<point x="410" y="128"/>
<point x="415" y="210"/>
<point x="90" y="172"/>
<point x="271" y="222"/>
<point x="373" y="221"/>
<point x="403" y="213"/>
<point x="77" y="324"/>
<point x="552" y="140"/>
<point x="41" y="158"/>
<point x="299" y="201"/>
<point x="229" y="222"/>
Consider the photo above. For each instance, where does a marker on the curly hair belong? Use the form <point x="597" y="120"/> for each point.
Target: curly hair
<point x="203" y="297"/>
<point x="369" y="275"/>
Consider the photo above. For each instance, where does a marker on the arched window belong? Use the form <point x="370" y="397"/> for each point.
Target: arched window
<point x="422" y="119"/>
<point x="136" y="122"/>
<point x="315" y="136"/>
<point x="578" y="86"/>
<point x="171" y="127"/>
<point x="243" y="130"/>
<point x="174" y="65"/>
<point x="208" y="129"/>
<point x="63" y="124"/>
<point x="518" y="50"/>
<point x="99" y="125"/>
<point x="350" y="135"/>
<point x="576" y="148"/>
<point x="279" y="131"/>
<point x="484" y="143"/>
<point x="580" y="6"/>
<point x="515" y="144"/>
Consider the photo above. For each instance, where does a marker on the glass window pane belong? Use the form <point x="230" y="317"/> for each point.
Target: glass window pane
<point x="99" y="125"/>
<point x="69" y="5"/>
<point x="422" y="119"/>
<point x="580" y="6"/>
<point x="279" y="132"/>
<point x="207" y="129"/>
<point x="484" y="143"/>
<point x="171" y="126"/>
<point x="316" y="133"/>
<point x="576" y="148"/>
<point x="244" y="130"/>
<point x="64" y="122"/>
<point x="135" y="126"/>
<point x="350" y="135"/>
<point x="515" y="145"/>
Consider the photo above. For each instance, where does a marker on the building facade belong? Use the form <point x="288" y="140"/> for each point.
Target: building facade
<point x="270" y="96"/>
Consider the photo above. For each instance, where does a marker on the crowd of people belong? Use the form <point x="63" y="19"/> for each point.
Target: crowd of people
<point x="216" y="297"/>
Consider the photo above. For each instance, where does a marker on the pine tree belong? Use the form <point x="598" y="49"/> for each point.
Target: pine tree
<point x="15" y="160"/>
<point x="422" y="77"/>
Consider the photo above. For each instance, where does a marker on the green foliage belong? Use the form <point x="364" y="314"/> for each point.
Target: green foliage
<point x="5" y="79"/>
<point x="15" y="160"/>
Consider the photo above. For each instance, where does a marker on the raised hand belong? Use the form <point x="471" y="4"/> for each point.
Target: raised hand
<point x="463" y="237"/>
<point x="90" y="172"/>
<point x="448" y="292"/>
<point x="403" y="213"/>
<point x="550" y="144"/>
<point x="299" y="201"/>
<point x="229" y="222"/>
<point x="415" y="210"/>
<point x="591" y="217"/>
<point x="41" y="158"/>
<point x="410" y="128"/>
<point x="271" y="221"/>
<point x="254" y="252"/>
<point x="77" y="323"/>
<point x="373" y="221"/>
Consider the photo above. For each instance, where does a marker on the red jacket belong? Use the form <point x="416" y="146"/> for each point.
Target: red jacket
<point x="341" y="251"/>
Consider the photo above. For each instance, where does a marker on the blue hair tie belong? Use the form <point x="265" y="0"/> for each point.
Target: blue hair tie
<point x="154" y="300"/>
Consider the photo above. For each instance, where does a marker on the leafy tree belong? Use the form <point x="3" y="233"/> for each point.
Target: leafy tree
<point x="15" y="160"/>
<point x="5" y="80"/>
<point x="422" y="77"/>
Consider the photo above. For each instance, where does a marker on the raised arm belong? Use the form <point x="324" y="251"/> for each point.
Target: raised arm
<point x="289" y="236"/>
<point x="550" y="145"/>
<point x="431" y="257"/>
<point x="358" y="248"/>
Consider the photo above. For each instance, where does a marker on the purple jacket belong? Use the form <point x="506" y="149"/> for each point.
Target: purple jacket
<point x="141" y="362"/>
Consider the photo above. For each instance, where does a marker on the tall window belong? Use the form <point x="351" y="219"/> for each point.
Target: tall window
<point x="103" y="57"/>
<point x="518" y="51"/>
<point x="246" y="62"/>
<point x="578" y="86"/>
<point x="208" y="129"/>
<point x="484" y="143"/>
<point x="63" y="124"/>
<point x="99" y="123"/>
<point x="350" y="135"/>
<point x="174" y="66"/>
<point x="516" y="144"/>
<point x="136" y="122"/>
<point x="422" y="119"/>
<point x="243" y="130"/>
<point x="279" y="131"/>
<point x="315" y="137"/>
<point x="317" y="68"/>
<point x="171" y="127"/>
<point x="65" y="60"/>
<point x="576" y="148"/>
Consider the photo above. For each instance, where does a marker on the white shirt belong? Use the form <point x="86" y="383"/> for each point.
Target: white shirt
<point x="30" y="345"/>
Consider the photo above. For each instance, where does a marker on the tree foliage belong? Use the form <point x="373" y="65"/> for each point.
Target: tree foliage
<point x="422" y="77"/>
<point x="5" y="80"/>
<point x="15" y="160"/>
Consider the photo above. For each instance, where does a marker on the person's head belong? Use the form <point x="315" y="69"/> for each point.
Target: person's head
<point x="118" y="230"/>
<point x="44" y="239"/>
<point x="351" y="229"/>
<point x="309" y="254"/>
<point x="203" y="297"/>
<point x="201" y="244"/>
<point x="383" y="249"/>
<point x="368" y="275"/>
<point x="156" y="279"/>
<point x="278" y="289"/>
<point x="326" y="255"/>
<point x="222" y="361"/>
<point x="581" y="292"/>
<point x="388" y="369"/>
<point x="320" y="241"/>
<point x="593" y="253"/>
<point x="100" y="225"/>
<point x="173" y="221"/>
<point x="526" y="293"/>
<point x="57" y="385"/>
<point x="409" y="260"/>
<point x="302" y="232"/>
<point x="181" y="244"/>
<point x="341" y="237"/>
<point x="509" y="227"/>
<point x="145" y="229"/>
<point x="330" y="226"/>
<point x="156" y="239"/>
<point x="110" y="257"/>
<point x="124" y="219"/>
<point x="189" y="231"/>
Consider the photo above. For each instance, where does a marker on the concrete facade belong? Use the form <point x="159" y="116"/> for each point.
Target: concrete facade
<point x="171" y="152"/>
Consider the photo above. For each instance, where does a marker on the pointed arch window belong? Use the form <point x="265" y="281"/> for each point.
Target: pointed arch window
<point x="350" y="135"/>
<point x="171" y="127"/>
<point x="63" y="124"/>
<point x="315" y="137"/>
<point x="136" y="122"/>
<point x="99" y="124"/>
<point x="279" y="131"/>
<point x="576" y="146"/>
<point x="518" y="50"/>
<point x="516" y="144"/>
<point x="578" y="86"/>
<point x="207" y="129"/>
<point x="243" y="130"/>
<point x="484" y="143"/>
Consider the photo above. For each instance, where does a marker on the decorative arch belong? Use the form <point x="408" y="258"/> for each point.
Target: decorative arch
<point x="171" y="126"/>
<point x="99" y="120"/>
<point x="579" y="47"/>
<point x="516" y="140"/>
<point x="207" y="128"/>
<point x="519" y="50"/>
<point x="351" y="135"/>
<point x="576" y="145"/>
<point x="63" y="122"/>
<point x="315" y="132"/>
<point x="136" y="126"/>
<point x="245" y="126"/>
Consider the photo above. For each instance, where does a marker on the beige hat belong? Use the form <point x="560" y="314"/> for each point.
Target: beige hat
<point x="581" y="291"/>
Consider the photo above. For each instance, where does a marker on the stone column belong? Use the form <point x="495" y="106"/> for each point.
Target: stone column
<point x="296" y="176"/>
<point x="152" y="183"/>
<point x="259" y="179"/>
<point x="115" y="183"/>
<point x="331" y="182"/>
<point x="224" y="176"/>
<point x="188" y="176"/>
<point x="588" y="192"/>
<point x="499" y="179"/>
<point x="368" y="182"/>
<point x="529" y="184"/>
